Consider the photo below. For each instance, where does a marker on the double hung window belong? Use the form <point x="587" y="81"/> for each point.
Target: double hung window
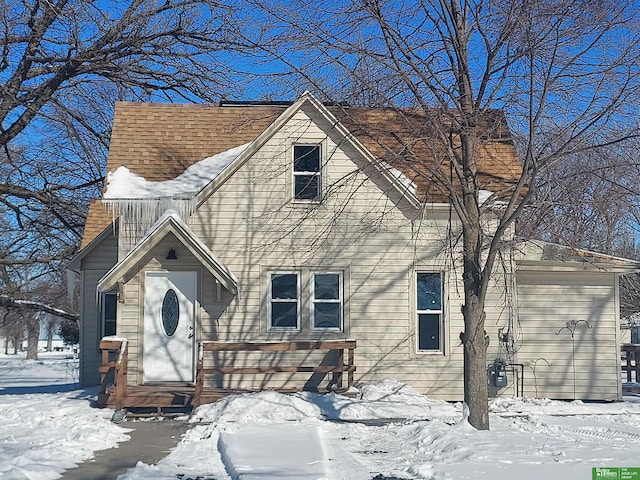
<point x="284" y="311"/>
<point x="429" y="311"/>
<point x="306" y="300"/>
<point x="306" y="172"/>
<point x="326" y="310"/>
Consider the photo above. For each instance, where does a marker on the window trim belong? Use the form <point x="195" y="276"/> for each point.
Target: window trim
<point x="313" y="300"/>
<point x="440" y="313"/>
<point x="317" y="174"/>
<point x="103" y="312"/>
<point x="298" y="300"/>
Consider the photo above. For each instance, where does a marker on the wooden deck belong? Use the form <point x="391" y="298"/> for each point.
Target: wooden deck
<point x="631" y="366"/>
<point x="117" y="394"/>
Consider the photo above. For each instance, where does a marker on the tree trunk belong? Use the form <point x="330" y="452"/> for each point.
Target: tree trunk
<point x="33" y="334"/>
<point x="475" y="354"/>
<point x="476" y="394"/>
<point x="49" y="338"/>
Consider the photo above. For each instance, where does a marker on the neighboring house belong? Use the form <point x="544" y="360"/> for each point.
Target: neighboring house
<point x="631" y="329"/>
<point x="288" y="222"/>
<point x="56" y="344"/>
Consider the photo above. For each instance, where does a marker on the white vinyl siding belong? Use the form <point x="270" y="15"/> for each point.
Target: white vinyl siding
<point x="361" y="229"/>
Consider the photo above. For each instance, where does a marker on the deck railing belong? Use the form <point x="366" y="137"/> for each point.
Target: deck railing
<point x="631" y="362"/>
<point x="113" y="369"/>
<point x="336" y="366"/>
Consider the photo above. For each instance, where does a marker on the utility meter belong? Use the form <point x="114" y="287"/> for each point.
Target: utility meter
<point x="498" y="373"/>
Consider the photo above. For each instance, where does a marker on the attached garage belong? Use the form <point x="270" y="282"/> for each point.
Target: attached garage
<point x="568" y="323"/>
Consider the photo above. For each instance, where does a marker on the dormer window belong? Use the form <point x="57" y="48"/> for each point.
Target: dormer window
<point x="306" y="172"/>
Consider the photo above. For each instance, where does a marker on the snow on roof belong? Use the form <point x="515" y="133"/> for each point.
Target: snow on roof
<point x="404" y="181"/>
<point x="124" y="184"/>
<point x="484" y="195"/>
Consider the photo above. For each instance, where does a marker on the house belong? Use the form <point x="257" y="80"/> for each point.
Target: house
<point x="247" y="238"/>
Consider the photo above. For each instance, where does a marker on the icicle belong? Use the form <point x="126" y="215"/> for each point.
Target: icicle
<point x="138" y="215"/>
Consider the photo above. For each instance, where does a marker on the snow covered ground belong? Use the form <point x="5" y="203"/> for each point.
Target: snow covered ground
<point x="389" y="432"/>
<point x="46" y="424"/>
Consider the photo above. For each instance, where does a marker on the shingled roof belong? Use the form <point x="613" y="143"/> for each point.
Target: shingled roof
<point x="98" y="218"/>
<point x="406" y="139"/>
<point x="159" y="141"/>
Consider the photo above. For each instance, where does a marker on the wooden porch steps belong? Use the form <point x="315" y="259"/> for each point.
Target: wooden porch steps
<point x="149" y="396"/>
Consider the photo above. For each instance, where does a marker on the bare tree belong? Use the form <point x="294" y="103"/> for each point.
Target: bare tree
<point x="12" y="330"/>
<point x="589" y="200"/>
<point x="564" y="72"/>
<point x="63" y="65"/>
<point x="149" y="47"/>
<point x="592" y="201"/>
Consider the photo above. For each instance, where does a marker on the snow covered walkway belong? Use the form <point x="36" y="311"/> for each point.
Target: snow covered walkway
<point x="257" y="452"/>
<point x="285" y="451"/>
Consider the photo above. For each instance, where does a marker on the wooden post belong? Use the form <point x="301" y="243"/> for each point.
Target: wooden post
<point x="105" y="362"/>
<point x="121" y="375"/>
<point x="125" y="370"/>
<point x="350" y="363"/>
<point x="104" y="370"/>
<point x="336" y="378"/>
<point x="197" y="394"/>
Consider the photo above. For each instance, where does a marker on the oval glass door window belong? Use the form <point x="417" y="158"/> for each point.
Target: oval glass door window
<point x="170" y="312"/>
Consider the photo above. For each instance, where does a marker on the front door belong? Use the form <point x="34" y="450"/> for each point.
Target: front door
<point x="168" y="350"/>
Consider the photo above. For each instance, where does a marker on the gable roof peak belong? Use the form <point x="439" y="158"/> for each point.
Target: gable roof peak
<point x="159" y="141"/>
